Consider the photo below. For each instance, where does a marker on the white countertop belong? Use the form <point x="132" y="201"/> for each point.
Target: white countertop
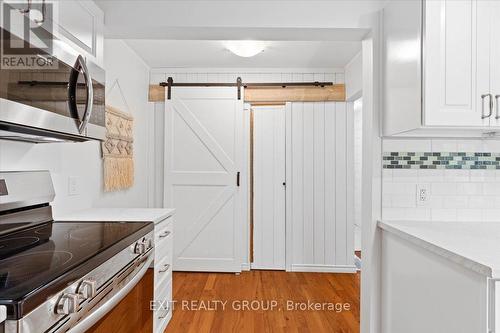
<point x="118" y="214"/>
<point x="475" y="245"/>
<point x="3" y="313"/>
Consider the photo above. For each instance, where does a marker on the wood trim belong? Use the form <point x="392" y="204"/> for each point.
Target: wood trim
<point x="335" y="93"/>
<point x="156" y="93"/>
<point x="267" y="95"/>
<point x="251" y="183"/>
<point x="268" y="104"/>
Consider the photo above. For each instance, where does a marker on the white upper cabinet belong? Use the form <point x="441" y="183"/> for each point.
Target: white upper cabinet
<point x="458" y="61"/>
<point x="80" y="23"/>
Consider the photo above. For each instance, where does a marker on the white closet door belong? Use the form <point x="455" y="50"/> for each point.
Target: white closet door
<point x="203" y="154"/>
<point x="269" y="191"/>
<point x="320" y="187"/>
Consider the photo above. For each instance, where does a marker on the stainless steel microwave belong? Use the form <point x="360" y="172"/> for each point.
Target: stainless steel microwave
<point x="64" y="101"/>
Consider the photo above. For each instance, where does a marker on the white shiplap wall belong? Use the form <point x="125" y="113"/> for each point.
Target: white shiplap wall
<point x="323" y="240"/>
<point x="247" y="75"/>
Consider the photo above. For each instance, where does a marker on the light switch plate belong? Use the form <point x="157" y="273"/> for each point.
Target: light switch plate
<point x="73" y="185"/>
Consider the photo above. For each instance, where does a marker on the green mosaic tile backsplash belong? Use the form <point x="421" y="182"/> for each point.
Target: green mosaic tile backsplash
<point x="442" y="160"/>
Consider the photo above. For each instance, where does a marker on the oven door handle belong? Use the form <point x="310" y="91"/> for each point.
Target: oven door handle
<point x="80" y="67"/>
<point x="90" y="320"/>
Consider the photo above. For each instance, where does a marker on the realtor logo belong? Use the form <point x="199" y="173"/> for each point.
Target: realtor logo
<point x="27" y="35"/>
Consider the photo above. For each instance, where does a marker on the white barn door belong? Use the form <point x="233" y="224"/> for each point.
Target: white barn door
<point x="269" y="190"/>
<point x="203" y="155"/>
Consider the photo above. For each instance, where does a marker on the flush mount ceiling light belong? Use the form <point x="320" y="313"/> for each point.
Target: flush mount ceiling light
<point x="245" y="48"/>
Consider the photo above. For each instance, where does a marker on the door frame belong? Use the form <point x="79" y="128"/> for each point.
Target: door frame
<point x="288" y="188"/>
<point x="251" y="136"/>
<point x="248" y="177"/>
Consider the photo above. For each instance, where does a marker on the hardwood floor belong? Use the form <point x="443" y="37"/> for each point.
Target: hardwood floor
<point x="289" y="291"/>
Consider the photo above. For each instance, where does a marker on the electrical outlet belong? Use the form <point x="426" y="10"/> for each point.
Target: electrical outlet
<point x="73" y="185"/>
<point x="423" y="194"/>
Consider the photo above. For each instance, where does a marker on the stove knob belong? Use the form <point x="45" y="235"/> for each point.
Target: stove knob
<point x="149" y="243"/>
<point x="87" y="288"/>
<point x="67" y="304"/>
<point x="140" y="246"/>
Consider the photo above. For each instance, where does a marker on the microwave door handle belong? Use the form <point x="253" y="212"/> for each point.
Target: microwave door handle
<point x="72" y="86"/>
<point x="80" y="67"/>
<point x="90" y="96"/>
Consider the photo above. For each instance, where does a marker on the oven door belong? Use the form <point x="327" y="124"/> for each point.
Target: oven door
<point x="50" y="95"/>
<point x="108" y="297"/>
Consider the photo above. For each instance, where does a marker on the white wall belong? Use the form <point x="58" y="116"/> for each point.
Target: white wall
<point x="354" y="78"/>
<point x="455" y="195"/>
<point x="83" y="160"/>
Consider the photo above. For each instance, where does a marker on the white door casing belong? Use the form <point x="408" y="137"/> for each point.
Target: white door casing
<point x="495" y="60"/>
<point x="269" y="190"/>
<point x="203" y="154"/>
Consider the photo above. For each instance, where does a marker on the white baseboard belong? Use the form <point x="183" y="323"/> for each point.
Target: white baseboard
<point x="324" y="268"/>
<point x="245" y="266"/>
<point x="267" y="268"/>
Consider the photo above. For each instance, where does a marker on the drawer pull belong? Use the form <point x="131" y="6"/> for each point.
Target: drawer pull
<point x="165" y="268"/>
<point x="165" y="234"/>
<point x="164" y="314"/>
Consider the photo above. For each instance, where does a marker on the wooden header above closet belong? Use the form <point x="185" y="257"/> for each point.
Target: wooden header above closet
<point x="335" y="93"/>
<point x="264" y="92"/>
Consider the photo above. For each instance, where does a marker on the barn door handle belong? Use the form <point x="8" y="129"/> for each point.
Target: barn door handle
<point x="238" y="179"/>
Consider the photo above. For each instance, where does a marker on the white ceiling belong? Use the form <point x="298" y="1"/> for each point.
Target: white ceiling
<point x="189" y="33"/>
<point x="174" y="19"/>
<point x="209" y="53"/>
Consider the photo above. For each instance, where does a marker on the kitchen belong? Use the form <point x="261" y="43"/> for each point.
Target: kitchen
<point x="294" y="165"/>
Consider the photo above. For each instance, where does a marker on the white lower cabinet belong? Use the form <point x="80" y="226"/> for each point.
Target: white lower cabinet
<point x="426" y="292"/>
<point x="494" y="306"/>
<point x="163" y="275"/>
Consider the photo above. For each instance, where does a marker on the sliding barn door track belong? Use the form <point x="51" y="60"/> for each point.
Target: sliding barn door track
<point x="238" y="84"/>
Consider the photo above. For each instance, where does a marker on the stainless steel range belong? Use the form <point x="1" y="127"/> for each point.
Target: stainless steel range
<point x="62" y="276"/>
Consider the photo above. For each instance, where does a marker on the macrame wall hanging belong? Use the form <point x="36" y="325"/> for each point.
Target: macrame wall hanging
<point x="117" y="149"/>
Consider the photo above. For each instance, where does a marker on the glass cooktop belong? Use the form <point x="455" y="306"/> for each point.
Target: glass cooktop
<point x="36" y="262"/>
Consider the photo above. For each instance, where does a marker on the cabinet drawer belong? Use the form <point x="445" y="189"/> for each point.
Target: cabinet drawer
<point x="163" y="314"/>
<point x="163" y="230"/>
<point x="163" y="272"/>
<point x="163" y="242"/>
<point x="163" y="249"/>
